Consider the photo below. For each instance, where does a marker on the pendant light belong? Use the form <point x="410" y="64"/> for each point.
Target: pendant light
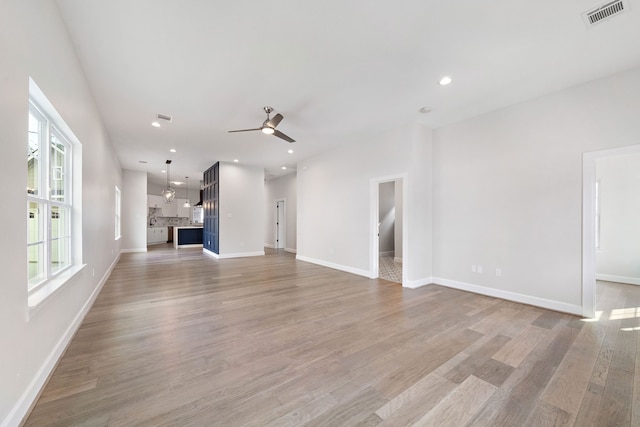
<point x="186" y="203"/>
<point x="168" y="193"/>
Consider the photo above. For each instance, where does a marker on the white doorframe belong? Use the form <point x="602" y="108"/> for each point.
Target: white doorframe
<point x="589" y="162"/>
<point x="282" y="224"/>
<point x="374" y="186"/>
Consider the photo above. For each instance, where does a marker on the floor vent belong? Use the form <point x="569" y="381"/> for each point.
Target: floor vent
<point x="165" y="117"/>
<point x="604" y="12"/>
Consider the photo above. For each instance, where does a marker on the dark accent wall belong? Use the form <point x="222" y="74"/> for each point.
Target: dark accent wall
<point x="210" y="203"/>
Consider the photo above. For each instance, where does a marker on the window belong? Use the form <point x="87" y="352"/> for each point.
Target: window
<point x="597" y="214"/>
<point x="118" y="212"/>
<point x="49" y="199"/>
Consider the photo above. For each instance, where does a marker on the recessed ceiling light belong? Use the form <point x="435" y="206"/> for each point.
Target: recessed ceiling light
<point x="236" y="160"/>
<point x="425" y="110"/>
<point x="284" y="168"/>
<point x="173" y="150"/>
<point x="177" y="182"/>
<point x="164" y="171"/>
<point x="155" y="124"/>
<point x="290" y="151"/>
<point x="445" y="80"/>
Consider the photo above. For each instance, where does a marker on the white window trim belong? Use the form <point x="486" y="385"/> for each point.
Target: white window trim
<point x="118" y="217"/>
<point x="39" y="293"/>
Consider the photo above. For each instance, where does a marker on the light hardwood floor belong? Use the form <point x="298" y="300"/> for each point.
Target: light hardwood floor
<point x="178" y="338"/>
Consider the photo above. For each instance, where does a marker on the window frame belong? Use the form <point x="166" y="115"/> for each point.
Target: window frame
<point x="50" y="135"/>
<point x="38" y="295"/>
<point x="118" y="214"/>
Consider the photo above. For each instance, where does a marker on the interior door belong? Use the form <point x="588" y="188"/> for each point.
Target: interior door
<point x="280" y="225"/>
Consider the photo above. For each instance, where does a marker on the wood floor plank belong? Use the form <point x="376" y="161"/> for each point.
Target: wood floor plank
<point x="569" y="383"/>
<point x="615" y="406"/>
<point x="424" y="395"/>
<point x="635" y="405"/>
<point x="460" y="405"/>
<point x="514" y="352"/>
<point x="546" y="415"/>
<point x="477" y="358"/>
<point x="179" y="338"/>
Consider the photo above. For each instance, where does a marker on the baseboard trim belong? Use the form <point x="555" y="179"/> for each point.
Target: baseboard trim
<point x="210" y="253"/>
<point x="618" y="279"/>
<point x="232" y="255"/>
<point x="335" y="266"/>
<point x="241" y="255"/>
<point x="413" y="284"/>
<point x="511" y="296"/>
<point x="27" y="401"/>
<point x="292" y="250"/>
<point x="125" y="251"/>
<point x="397" y="259"/>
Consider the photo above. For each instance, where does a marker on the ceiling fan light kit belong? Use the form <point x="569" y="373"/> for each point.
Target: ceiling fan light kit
<point x="269" y="126"/>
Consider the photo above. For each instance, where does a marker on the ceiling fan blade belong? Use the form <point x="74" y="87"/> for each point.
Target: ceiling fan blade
<point x="275" y="120"/>
<point x="244" y="130"/>
<point x="283" y="136"/>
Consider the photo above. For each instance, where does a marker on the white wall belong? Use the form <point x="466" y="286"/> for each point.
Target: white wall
<point x="386" y="217"/>
<point x="156" y="189"/>
<point x="397" y="245"/>
<point x="334" y="210"/>
<point x="282" y="188"/>
<point x="34" y="42"/>
<point x="242" y="210"/>
<point x="134" y="211"/>
<point x="508" y="190"/>
<point x="618" y="258"/>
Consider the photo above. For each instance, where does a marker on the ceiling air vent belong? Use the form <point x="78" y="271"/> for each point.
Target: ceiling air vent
<point x="165" y="117"/>
<point x="603" y="12"/>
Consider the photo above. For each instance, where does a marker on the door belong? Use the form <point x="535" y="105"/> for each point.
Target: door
<point x="280" y="225"/>
<point x="387" y="256"/>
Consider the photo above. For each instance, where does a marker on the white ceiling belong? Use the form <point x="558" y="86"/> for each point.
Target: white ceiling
<point x="333" y="68"/>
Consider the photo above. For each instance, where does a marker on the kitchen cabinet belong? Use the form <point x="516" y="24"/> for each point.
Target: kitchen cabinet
<point x="170" y="209"/>
<point x="156" y="235"/>
<point x="155" y="201"/>
<point x="187" y="237"/>
<point x="182" y="211"/>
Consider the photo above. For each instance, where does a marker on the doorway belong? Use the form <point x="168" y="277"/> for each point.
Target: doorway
<point x="590" y="221"/>
<point x="388" y="229"/>
<point x="280" y="225"/>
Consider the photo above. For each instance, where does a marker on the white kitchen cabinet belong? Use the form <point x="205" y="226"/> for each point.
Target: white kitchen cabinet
<point x="156" y="235"/>
<point x="182" y="211"/>
<point x="154" y="201"/>
<point x="170" y="209"/>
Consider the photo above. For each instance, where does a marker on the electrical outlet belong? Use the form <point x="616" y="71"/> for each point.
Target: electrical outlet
<point x="498" y="272"/>
<point x="474" y="268"/>
<point x="480" y="269"/>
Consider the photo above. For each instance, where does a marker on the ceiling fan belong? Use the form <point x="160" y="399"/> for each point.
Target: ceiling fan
<point x="269" y="126"/>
